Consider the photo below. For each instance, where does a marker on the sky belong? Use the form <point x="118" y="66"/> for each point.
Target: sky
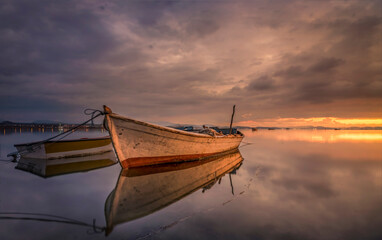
<point x="283" y="63"/>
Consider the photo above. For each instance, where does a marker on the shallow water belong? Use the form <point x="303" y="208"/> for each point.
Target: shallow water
<point x="296" y="184"/>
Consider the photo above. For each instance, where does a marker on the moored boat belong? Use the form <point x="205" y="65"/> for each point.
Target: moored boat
<point x="144" y="190"/>
<point x="53" y="167"/>
<point x="138" y="143"/>
<point x="64" y="148"/>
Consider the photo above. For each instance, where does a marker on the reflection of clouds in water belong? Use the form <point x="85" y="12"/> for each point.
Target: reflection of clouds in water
<point x="283" y="190"/>
<point x="322" y="136"/>
<point x="302" y="185"/>
<point x="78" y="196"/>
<point x="295" y="144"/>
<point x="300" y="195"/>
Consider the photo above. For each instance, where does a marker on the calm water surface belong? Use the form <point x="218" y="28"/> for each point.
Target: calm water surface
<point x="296" y="184"/>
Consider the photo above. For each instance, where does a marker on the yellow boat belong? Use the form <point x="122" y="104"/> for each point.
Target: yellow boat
<point x="65" y="148"/>
<point x="54" y="167"/>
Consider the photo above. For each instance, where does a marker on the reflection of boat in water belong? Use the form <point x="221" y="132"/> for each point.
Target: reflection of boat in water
<point x="139" y="143"/>
<point x="53" y="167"/>
<point x="144" y="190"/>
<point x="65" y="148"/>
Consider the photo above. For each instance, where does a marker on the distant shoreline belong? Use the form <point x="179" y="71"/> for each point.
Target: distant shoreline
<point x="7" y="125"/>
<point x="44" y="127"/>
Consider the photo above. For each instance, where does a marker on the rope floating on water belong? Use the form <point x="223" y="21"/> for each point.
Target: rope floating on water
<point x="6" y="161"/>
<point x="50" y="218"/>
<point x="246" y="144"/>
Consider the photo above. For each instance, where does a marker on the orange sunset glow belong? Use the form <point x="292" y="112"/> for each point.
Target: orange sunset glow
<point x="314" y="122"/>
<point x="329" y="136"/>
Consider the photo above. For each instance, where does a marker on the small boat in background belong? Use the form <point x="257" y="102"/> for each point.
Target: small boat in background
<point x="53" y="167"/>
<point x="64" y="148"/>
<point x="139" y="143"/>
<point x="143" y="190"/>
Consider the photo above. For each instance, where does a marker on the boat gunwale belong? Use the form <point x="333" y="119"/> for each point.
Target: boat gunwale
<point x="61" y="141"/>
<point x="172" y="130"/>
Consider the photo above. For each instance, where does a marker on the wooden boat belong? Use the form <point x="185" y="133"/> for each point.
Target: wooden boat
<point x="53" y="167"/>
<point x="144" y="190"/>
<point x="139" y="143"/>
<point x="65" y="148"/>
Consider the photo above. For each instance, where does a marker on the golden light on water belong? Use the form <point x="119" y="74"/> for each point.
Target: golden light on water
<point x="334" y="136"/>
<point x="375" y="137"/>
<point x="323" y="136"/>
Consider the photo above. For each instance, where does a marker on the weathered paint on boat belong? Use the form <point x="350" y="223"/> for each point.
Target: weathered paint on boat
<point x="54" y="167"/>
<point x="139" y="143"/>
<point x="65" y="148"/>
<point x="144" y="190"/>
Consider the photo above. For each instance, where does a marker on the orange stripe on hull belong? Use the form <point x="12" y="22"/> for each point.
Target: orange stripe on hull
<point x="147" y="161"/>
<point x="169" y="167"/>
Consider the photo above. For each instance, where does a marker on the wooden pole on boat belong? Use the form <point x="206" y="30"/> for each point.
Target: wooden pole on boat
<point x="233" y="113"/>
<point x="230" y="180"/>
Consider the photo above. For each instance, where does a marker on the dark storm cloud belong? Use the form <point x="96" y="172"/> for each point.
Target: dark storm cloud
<point x="290" y="72"/>
<point x="325" y="64"/>
<point x="261" y="84"/>
<point x="202" y="27"/>
<point x="146" y="13"/>
<point x="313" y="83"/>
<point x="321" y="66"/>
<point x="48" y="37"/>
<point x="57" y="51"/>
<point x="357" y="35"/>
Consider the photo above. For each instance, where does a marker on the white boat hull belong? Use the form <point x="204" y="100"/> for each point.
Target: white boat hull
<point x="140" y="144"/>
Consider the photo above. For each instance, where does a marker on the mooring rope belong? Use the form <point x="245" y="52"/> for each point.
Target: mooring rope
<point x="50" y="218"/>
<point x="94" y="114"/>
<point x="6" y="161"/>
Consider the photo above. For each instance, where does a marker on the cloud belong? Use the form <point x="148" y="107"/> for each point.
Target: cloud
<point x="261" y="83"/>
<point x="325" y="64"/>
<point x="188" y="61"/>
